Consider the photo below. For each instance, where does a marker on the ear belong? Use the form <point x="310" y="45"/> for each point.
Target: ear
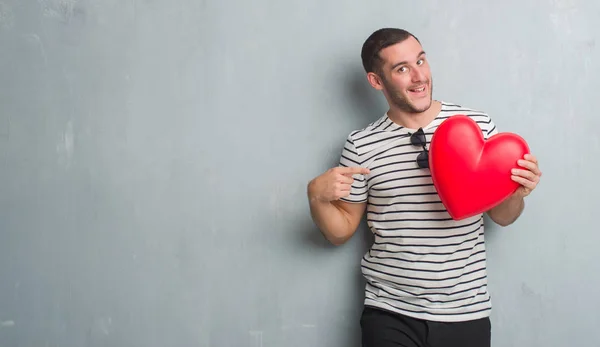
<point x="374" y="81"/>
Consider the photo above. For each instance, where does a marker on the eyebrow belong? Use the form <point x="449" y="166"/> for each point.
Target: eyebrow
<point x="405" y="62"/>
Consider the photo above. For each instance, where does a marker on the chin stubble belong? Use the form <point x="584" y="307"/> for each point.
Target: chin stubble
<point x="405" y="105"/>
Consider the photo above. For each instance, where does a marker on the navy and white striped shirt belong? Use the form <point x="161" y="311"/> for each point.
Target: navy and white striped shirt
<point x="423" y="263"/>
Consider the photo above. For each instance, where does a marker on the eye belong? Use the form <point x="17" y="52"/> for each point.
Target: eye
<point x="402" y="69"/>
<point x="420" y="62"/>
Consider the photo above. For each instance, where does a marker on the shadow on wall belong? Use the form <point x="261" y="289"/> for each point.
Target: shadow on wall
<point x="361" y="104"/>
<point x="366" y="103"/>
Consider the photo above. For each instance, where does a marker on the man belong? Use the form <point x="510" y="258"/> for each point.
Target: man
<point x="425" y="273"/>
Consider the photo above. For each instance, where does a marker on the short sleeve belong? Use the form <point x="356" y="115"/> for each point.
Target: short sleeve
<point x="350" y="158"/>
<point x="490" y="128"/>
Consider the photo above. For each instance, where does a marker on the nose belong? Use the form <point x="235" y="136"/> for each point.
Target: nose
<point x="418" y="75"/>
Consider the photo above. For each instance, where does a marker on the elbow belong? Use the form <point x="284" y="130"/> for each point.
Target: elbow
<point x="338" y="237"/>
<point x="507" y="213"/>
<point x="496" y="220"/>
<point x="337" y="240"/>
<point x="503" y="222"/>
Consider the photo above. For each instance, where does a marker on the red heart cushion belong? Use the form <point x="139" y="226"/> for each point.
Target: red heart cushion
<point x="470" y="174"/>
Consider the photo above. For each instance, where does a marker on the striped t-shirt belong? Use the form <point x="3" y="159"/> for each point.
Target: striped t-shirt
<point x="423" y="263"/>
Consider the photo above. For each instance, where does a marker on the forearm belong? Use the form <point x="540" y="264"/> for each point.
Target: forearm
<point x="337" y="219"/>
<point x="508" y="211"/>
<point x="331" y="220"/>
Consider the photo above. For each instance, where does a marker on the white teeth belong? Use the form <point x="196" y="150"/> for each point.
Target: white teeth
<point x="419" y="90"/>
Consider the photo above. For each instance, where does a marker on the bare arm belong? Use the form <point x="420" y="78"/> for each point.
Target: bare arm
<point x="528" y="176"/>
<point x="508" y="211"/>
<point x="337" y="220"/>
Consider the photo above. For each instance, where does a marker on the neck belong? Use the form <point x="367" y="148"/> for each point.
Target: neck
<point x="414" y="120"/>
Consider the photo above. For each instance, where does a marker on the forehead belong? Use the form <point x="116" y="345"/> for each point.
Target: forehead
<point x="407" y="50"/>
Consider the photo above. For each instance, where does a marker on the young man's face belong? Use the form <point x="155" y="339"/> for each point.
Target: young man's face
<point x="406" y="79"/>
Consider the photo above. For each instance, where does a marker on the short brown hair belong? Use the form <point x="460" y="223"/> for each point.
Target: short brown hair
<point x="377" y="41"/>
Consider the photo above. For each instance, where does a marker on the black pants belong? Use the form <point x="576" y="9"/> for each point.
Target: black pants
<point x="382" y="328"/>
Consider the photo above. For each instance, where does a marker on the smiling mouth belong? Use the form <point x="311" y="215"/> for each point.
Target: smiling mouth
<point x="420" y="89"/>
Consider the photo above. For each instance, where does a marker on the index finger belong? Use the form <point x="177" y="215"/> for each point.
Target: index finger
<point x="353" y="170"/>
